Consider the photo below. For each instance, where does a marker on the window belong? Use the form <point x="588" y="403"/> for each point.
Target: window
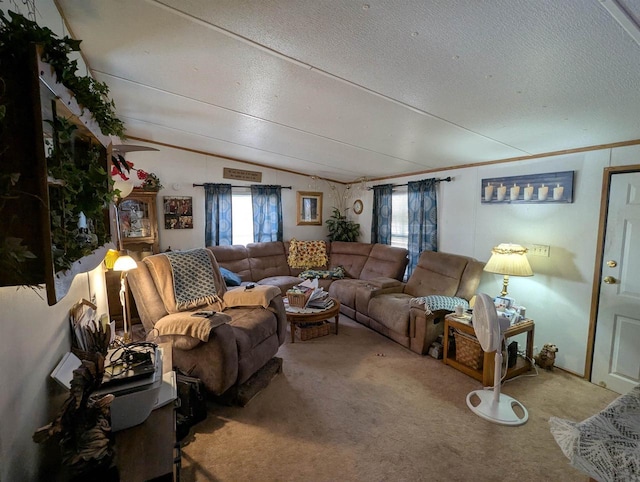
<point x="399" y="219"/>
<point x="242" y="218"/>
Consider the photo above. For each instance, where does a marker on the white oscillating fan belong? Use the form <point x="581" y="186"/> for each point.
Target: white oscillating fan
<point x="493" y="405"/>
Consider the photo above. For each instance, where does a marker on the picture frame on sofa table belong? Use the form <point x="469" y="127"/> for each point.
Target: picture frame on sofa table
<point x="309" y="208"/>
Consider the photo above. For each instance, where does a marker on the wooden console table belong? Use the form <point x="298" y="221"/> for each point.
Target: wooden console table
<point x="486" y="374"/>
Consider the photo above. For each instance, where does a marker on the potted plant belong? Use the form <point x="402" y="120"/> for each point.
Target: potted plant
<point x="341" y="228"/>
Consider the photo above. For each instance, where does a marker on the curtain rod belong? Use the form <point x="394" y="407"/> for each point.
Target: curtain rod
<point x="444" y="179"/>
<point x="202" y="185"/>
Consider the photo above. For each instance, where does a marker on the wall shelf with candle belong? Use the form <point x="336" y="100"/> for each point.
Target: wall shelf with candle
<point x="551" y="187"/>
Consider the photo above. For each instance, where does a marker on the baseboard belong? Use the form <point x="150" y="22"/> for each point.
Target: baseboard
<point x="241" y="395"/>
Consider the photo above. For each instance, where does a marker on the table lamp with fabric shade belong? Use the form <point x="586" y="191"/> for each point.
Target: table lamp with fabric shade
<point x="124" y="263"/>
<point x="508" y="260"/>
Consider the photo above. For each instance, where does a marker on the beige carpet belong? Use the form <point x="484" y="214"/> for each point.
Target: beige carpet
<point x="359" y="407"/>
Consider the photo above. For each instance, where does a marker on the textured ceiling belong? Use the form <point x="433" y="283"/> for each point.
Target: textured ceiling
<point x="376" y="88"/>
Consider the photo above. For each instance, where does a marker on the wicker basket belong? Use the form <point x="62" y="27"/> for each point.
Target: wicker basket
<point x="298" y="300"/>
<point x="468" y="350"/>
<point x="308" y="331"/>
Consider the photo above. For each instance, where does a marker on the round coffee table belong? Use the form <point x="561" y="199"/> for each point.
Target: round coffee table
<point x="308" y="316"/>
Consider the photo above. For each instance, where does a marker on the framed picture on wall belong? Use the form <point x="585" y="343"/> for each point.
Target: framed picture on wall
<point x="178" y="212"/>
<point x="309" y="208"/>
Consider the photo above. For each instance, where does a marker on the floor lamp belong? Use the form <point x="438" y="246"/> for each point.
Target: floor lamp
<point x="124" y="264"/>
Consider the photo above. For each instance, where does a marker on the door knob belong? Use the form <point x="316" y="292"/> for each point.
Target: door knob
<point x="610" y="280"/>
<point x="611" y="263"/>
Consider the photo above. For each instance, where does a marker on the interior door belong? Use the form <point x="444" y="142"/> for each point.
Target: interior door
<point x="616" y="353"/>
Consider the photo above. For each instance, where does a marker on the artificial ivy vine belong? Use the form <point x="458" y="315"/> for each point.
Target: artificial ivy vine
<point x="85" y="184"/>
<point x="18" y="32"/>
<point x="84" y="189"/>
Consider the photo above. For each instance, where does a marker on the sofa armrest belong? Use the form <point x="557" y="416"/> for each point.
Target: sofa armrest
<point x="215" y="361"/>
<point x="277" y="307"/>
<point x="425" y="328"/>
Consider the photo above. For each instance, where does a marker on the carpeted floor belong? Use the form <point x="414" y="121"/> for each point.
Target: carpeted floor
<point x="359" y="407"/>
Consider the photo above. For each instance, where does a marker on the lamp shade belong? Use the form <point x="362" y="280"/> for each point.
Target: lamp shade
<point x="509" y="259"/>
<point x="125" y="263"/>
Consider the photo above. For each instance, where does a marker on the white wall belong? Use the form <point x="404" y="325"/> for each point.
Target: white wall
<point x="558" y="296"/>
<point x="178" y="170"/>
<point x="34" y="336"/>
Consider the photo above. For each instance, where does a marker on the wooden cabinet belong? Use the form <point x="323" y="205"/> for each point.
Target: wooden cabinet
<point x="138" y="223"/>
<point x="53" y="167"/>
<point x="148" y="451"/>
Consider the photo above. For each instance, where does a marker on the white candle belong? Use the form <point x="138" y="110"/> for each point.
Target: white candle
<point x="514" y="192"/>
<point x="542" y="193"/>
<point x="557" y="192"/>
<point x="82" y="221"/>
<point x="528" y="192"/>
<point x="502" y="191"/>
<point x="488" y="192"/>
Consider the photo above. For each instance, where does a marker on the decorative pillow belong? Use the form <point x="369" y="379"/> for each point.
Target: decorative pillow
<point x="437" y="302"/>
<point x="307" y="254"/>
<point x="335" y="273"/>
<point x="230" y="278"/>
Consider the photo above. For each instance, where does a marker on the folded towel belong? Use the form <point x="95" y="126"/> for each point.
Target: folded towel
<point x="184" y="323"/>
<point x="437" y="302"/>
<point x="259" y="295"/>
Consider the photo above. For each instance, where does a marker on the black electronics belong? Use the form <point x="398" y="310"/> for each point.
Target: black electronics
<point x="512" y="353"/>
<point x="135" y="362"/>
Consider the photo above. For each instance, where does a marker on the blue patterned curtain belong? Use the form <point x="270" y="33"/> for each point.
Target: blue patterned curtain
<point x="381" y="221"/>
<point x="266" y="202"/>
<point x="217" y="208"/>
<point x="423" y="219"/>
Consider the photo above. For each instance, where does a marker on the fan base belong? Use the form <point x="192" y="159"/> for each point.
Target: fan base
<point x="500" y="411"/>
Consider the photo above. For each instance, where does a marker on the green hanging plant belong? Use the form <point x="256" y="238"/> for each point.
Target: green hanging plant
<point x="341" y="228"/>
<point x="18" y="32"/>
<point x="85" y="188"/>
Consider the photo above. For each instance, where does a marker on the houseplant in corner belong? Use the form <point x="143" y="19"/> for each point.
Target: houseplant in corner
<point x="341" y="228"/>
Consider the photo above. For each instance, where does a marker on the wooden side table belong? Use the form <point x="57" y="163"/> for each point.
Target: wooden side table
<point x="485" y="375"/>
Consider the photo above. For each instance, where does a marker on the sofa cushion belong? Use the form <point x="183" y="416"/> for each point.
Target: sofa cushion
<point x="352" y="256"/>
<point x="230" y="278"/>
<point x="307" y="254"/>
<point x="391" y="310"/>
<point x="436" y="274"/>
<point x="251" y="326"/>
<point x="267" y="259"/>
<point x="344" y="290"/>
<point x="385" y="261"/>
<point x="235" y="258"/>
<point x="282" y="282"/>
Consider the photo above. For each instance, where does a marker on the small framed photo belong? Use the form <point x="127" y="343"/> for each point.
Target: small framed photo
<point x="503" y="303"/>
<point x="178" y="212"/>
<point x="309" y="208"/>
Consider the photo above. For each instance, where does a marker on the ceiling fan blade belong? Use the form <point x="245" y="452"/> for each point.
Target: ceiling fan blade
<point x="124" y="148"/>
